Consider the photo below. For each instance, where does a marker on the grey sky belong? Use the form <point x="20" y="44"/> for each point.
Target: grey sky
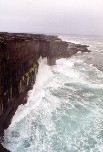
<point x="52" y="16"/>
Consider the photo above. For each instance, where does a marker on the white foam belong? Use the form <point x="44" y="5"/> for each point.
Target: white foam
<point x="43" y="102"/>
<point x="64" y="38"/>
<point x="36" y="94"/>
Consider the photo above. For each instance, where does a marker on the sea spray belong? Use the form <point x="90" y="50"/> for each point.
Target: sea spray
<point x="44" y="73"/>
<point x="64" y="112"/>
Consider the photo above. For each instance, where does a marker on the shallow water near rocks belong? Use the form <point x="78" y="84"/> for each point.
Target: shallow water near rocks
<point x="64" y="112"/>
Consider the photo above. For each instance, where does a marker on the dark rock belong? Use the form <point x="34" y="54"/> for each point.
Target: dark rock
<point x="2" y="149"/>
<point x="19" y="54"/>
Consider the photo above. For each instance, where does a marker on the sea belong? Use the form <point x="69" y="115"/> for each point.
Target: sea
<point x="64" y="110"/>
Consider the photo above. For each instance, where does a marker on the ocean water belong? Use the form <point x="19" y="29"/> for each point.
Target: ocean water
<point x="64" y="112"/>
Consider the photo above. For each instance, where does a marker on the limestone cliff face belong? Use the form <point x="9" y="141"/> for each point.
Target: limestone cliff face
<point x="19" y="54"/>
<point x="18" y="68"/>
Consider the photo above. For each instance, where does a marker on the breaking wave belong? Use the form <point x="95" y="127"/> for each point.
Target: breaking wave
<point x="64" y="111"/>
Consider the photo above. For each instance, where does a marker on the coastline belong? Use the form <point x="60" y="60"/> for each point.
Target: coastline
<point x="25" y="49"/>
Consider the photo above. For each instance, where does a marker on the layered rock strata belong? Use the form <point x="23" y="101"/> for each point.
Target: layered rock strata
<point x="19" y="54"/>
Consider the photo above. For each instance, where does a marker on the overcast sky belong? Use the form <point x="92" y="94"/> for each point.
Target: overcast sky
<point x="52" y="16"/>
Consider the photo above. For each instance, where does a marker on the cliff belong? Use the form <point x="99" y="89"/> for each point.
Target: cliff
<point x="19" y="54"/>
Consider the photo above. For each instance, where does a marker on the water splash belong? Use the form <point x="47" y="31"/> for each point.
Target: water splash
<point x="64" y="112"/>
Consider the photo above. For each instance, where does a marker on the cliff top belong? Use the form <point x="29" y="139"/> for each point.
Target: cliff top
<point x="4" y="37"/>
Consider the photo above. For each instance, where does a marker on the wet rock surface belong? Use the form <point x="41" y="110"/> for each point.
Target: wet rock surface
<point x="19" y="54"/>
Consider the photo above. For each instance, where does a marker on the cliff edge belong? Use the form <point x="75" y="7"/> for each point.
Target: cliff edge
<point x="19" y="54"/>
